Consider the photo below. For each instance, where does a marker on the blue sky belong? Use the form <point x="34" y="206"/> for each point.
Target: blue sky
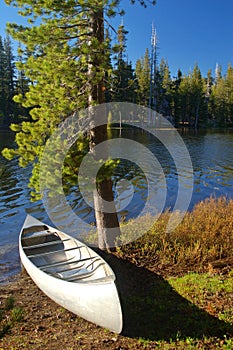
<point x="189" y="31"/>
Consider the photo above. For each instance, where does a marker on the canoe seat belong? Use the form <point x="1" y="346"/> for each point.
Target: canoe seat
<point x="35" y="228"/>
<point x="39" y="237"/>
<point x="41" y="245"/>
<point x="53" y="252"/>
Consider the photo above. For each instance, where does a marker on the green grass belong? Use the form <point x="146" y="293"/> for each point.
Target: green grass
<point x="9" y="302"/>
<point x="16" y="314"/>
<point x="200" y="286"/>
<point x="204" y="290"/>
<point x="9" y="315"/>
<point x="200" y="291"/>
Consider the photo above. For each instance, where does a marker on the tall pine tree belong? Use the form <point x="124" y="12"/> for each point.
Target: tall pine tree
<point x="7" y="81"/>
<point x="67" y="69"/>
<point x="142" y="72"/>
<point x="123" y="84"/>
<point x="2" y="80"/>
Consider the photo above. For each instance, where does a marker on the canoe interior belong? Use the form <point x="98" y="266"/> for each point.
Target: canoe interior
<point x="62" y="256"/>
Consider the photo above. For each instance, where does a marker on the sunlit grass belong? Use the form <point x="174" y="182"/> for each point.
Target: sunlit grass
<point x="204" y="289"/>
<point x="204" y="236"/>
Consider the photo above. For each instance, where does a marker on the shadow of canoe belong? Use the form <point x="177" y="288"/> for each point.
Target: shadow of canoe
<point x="153" y="310"/>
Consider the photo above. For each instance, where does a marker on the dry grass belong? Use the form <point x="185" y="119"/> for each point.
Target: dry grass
<point x="202" y="240"/>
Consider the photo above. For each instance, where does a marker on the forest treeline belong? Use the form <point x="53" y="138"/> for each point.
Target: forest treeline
<point x="187" y="99"/>
<point x="12" y="82"/>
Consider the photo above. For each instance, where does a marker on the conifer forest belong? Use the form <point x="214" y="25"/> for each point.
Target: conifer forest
<point x="188" y="99"/>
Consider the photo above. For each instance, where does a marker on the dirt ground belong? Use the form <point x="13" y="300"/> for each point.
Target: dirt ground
<point x="153" y="314"/>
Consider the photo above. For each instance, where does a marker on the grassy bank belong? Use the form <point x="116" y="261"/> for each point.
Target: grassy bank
<point x="176" y="292"/>
<point x="202" y="242"/>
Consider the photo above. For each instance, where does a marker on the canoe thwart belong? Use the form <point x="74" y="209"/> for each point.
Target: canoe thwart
<point x="57" y="263"/>
<point x="65" y="262"/>
<point x="93" y="260"/>
<point x="84" y="275"/>
<point x="76" y="275"/>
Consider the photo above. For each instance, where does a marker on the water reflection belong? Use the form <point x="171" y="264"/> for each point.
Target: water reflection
<point x="15" y="201"/>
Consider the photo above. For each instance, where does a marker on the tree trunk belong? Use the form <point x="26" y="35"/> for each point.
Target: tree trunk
<point x="106" y="222"/>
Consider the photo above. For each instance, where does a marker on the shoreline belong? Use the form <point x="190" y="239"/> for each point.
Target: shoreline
<point x="46" y="325"/>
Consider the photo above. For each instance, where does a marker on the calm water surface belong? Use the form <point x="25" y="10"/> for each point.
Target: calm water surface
<point x="212" y="157"/>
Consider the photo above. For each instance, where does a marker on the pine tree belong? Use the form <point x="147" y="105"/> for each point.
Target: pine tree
<point x="218" y="102"/>
<point x="175" y="103"/>
<point x="142" y="73"/>
<point x="67" y="69"/>
<point x="163" y="88"/>
<point x="123" y="84"/>
<point x="198" y="97"/>
<point x="2" y="79"/>
<point x="184" y="99"/>
<point x="229" y="94"/>
<point x="121" y="36"/>
<point x="209" y="83"/>
<point x="221" y="98"/>
<point x="22" y="82"/>
<point x="192" y="103"/>
<point x="9" y="80"/>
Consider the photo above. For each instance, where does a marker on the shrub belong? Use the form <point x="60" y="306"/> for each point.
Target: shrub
<point x="204" y="236"/>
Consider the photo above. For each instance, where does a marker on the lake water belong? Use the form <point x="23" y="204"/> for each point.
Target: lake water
<point x="212" y="158"/>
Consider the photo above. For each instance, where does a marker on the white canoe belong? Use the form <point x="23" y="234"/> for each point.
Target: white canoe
<point x="70" y="273"/>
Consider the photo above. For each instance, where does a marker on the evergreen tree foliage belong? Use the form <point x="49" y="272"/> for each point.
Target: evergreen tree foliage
<point x="22" y="82"/>
<point x="229" y="95"/>
<point x="188" y="100"/>
<point x="142" y="73"/>
<point x="175" y="106"/>
<point x="163" y="88"/>
<point x="7" y="81"/>
<point x="2" y="81"/>
<point x="57" y="64"/>
<point x="189" y="94"/>
<point x="123" y="84"/>
<point x="9" y="78"/>
<point x="222" y="99"/>
<point x="68" y="66"/>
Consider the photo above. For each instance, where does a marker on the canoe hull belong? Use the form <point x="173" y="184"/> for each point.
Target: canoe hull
<point x="97" y="302"/>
